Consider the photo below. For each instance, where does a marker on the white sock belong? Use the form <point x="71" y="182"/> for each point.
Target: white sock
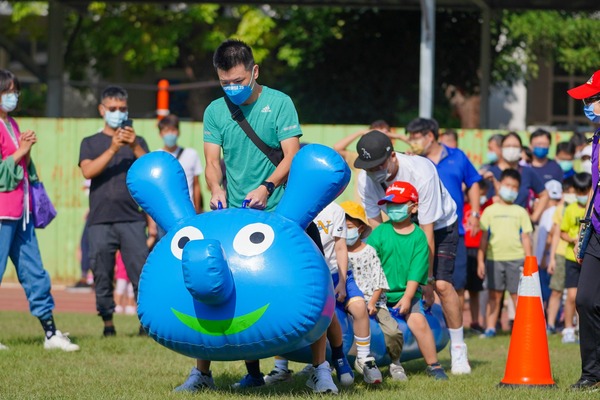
<point x="281" y="364"/>
<point x="457" y="336"/>
<point x="363" y="346"/>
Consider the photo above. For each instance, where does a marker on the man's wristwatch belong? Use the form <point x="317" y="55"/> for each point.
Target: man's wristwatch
<point x="475" y="214"/>
<point x="270" y="187"/>
<point x="431" y="280"/>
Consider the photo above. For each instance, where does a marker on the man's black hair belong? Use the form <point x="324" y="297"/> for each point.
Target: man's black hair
<point x="568" y="183"/>
<point x="6" y="78"/>
<point x="114" y="92"/>
<point x="423" y="125"/>
<point x="483" y="184"/>
<point x="582" y="182"/>
<point x="452" y="133"/>
<point x="540" y="132"/>
<point x="232" y="53"/>
<point x="511" y="173"/>
<point x="565" y="147"/>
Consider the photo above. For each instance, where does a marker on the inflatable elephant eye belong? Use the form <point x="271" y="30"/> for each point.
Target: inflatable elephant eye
<point x="253" y="239"/>
<point x="182" y="237"/>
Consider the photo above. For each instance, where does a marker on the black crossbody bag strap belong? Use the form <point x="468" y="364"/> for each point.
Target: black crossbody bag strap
<point x="274" y="155"/>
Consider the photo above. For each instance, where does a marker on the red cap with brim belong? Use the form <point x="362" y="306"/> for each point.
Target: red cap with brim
<point x="400" y="193"/>
<point x="588" y="89"/>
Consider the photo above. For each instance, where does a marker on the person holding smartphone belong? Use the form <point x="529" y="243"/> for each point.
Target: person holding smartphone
<point x="115" y="221"/>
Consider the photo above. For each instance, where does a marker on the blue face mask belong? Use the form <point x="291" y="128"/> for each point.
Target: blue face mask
<point x="582" y="200"/>
<point x="397" y="212"/>
<point x="507" y="194"/>
<point x="9" y="101"/>
<point x="170" y="139"/>
<point x="115" y="119"/>
<point x="352" y="236"/>
<point x="565" y="165"/>
<point x="589" y="112"/>
<point x="238" y="94"/>
<point x="540" y="152"/>
<point x="492" y="157"/>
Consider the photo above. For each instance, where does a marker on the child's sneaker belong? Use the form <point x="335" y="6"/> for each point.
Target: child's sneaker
<point x="436" y="372"/>
<point x="278" y="375"/>
<point x="460" y="362"/>
<point x="568" y="335"/>
<point x="307" y="370"/>
<point x="3" y="347"/>
<point x="320" y="380"/>
<point x="475" y="327"/>
<point x="109" y="331"/>
<point x="397" y="372"/>
<point x="119" y="309"/>
<point x="488" y="334"/>
<point x="130" y="310"/>
<point x="60" y="341"/>
<point x="344" y="371"/>
<point x="368" y="368"/>
<point x="196" y="382"/>
<point x="248" y="381"/>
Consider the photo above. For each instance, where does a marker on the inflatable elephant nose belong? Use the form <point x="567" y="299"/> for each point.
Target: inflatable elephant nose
<point x="205" y="272"/>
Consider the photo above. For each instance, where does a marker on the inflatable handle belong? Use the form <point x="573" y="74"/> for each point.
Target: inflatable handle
<point x="245" y="203"/>
<point x="219" y="206"/>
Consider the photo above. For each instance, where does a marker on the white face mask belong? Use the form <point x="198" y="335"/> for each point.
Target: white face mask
<point x="586" y="166"/>
<point x="352" y="236"/>
<point x="570" y="198"/>
<point x="511" y="154"/>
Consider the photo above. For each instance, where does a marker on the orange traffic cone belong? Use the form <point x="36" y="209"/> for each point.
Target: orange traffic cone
<point x="528" y="362"/>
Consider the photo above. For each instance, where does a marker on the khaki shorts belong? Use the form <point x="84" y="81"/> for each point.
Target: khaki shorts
<point x="557" y="281"/>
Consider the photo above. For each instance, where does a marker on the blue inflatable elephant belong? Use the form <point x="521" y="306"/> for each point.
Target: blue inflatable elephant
<point x="236" y="284"/>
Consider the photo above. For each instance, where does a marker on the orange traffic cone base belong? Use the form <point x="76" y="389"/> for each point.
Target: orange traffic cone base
<point x="514" y="386"/>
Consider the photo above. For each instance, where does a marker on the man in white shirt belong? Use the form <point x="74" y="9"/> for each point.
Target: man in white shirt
<point x="436" y="216"/>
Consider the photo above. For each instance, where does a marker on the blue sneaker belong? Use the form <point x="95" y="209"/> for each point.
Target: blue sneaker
<point x="436" y="372"/>
<point x="196" y="382"/>
<point x="343" y="371"/>
<point x="248" y="381"/>
<point x="489" y="333"/>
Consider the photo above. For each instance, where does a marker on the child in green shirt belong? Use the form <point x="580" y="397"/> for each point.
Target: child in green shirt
<point x="402" y="248"/>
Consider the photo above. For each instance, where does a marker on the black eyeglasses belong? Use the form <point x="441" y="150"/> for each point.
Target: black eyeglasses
<point x="113" y="109"/>
<point x="591" y="100"/>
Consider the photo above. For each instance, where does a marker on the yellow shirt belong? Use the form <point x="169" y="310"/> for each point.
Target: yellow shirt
<point x="561" y="248"/>
<point x="505" y="223"/>
<point x="570" y="224"/>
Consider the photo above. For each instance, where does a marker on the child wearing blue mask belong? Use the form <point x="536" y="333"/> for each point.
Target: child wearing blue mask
<point x="504" y="245"/>
<point x="402" y="249"/>
<point x="371" y="280"/>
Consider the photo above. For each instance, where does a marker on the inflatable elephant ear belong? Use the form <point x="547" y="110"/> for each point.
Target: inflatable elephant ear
<point x="157" y="183"/>
<point x="318" y="175"/>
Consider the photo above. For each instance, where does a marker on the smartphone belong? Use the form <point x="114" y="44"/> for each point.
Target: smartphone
<point x="127" y="122"/>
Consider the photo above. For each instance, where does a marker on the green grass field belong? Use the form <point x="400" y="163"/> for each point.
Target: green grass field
<point x="131" y="367"/>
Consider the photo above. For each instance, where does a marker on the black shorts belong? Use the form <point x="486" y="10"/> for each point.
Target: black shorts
<point x="572" y="271"/>
<point x="446" y="242"/>
<point x="474" y="282"/>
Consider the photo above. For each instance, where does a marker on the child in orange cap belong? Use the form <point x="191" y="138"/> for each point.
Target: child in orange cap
<point x="402" y="248"/>
<point x="370" y="278"/>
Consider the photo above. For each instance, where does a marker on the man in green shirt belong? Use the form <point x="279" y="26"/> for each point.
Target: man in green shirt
<point x="253" y="180"/>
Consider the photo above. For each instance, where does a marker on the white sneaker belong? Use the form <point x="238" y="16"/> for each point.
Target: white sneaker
<point x="60" y="341"/>
<point x="568" y="335"/>
<point x="460" y="362"/>
<point x="320" y="380"/>
<point x="3" y="347"/>
<point x="278" y="375"/>
<point x="119" y="309"/>
<point x="130" y="310"/>
<point x="306" y="371"/>
<point x="368" y="368"/>
<point x="397" y="372"/>
<point x="196" y="382"/>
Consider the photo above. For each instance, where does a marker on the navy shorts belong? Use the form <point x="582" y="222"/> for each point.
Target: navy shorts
<point x="446" y="242"/>
<point x="352" y="289"/>
<point x="572" y="272"/>
<point x="459" y="276"/>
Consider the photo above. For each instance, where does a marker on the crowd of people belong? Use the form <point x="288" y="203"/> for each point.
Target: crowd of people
<point x="425" y="225"/>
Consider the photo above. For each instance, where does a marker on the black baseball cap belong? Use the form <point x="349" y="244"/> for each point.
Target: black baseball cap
<point x="373" y="149"/>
